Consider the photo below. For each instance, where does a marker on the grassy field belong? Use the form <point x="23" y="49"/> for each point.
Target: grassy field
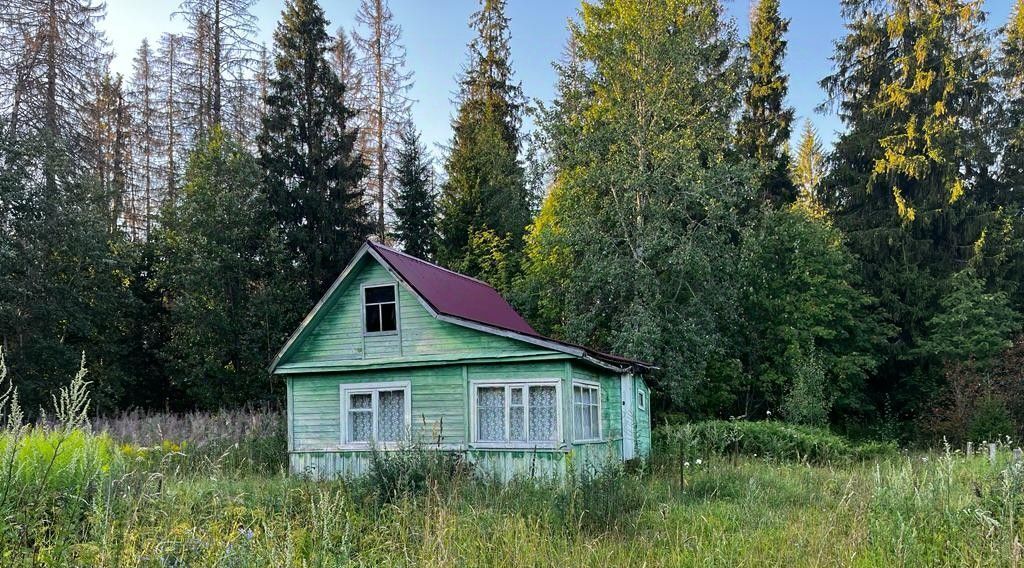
<point x="145" y="494"/>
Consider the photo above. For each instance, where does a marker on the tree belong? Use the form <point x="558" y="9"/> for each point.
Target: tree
<point x="642" y="218"/>
<point x="145" y="139"/>
<point x="223" y="274"/>
<point x="219" y="53"/>
<point x="54" y="52"/>
<point x="383" y="97"/>
<point x="107" y="134"/>
<point x="485" y="188"/>
<point x="310" y="168"/>
<point x="766" y="123"/>
<point x="808" y="168"/>
<point x="810" y="336"/>
<point x="415" y="208"/>
<point x="908" y="177"/>
<point x="66" y="274"/>
<point x="171" y="114"/>
<point x="971" y="324"/>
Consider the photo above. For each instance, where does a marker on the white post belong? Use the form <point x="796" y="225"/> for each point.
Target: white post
<point x="970" y="449"/>
<point x="992" y="452"/>
<point x="1017" y="453"/>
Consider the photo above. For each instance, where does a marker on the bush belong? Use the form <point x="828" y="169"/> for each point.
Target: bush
<point x="598" y="501"/>
<point x="774" y="440"/>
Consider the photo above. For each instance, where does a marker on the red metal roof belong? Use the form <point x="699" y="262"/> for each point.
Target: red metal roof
<point x="457" y="295"/>
<point x="454" y="294"/>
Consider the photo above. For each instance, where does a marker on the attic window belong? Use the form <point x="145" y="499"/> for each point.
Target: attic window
<point x="379" y="309"/>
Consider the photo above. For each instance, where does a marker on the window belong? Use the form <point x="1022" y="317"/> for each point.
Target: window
<point x="375" y="413"/>
<point x="516" y="413"/>
<point x="641" y="399"/>
<point x="586" y="411"/>
<point x="379" y="309"/>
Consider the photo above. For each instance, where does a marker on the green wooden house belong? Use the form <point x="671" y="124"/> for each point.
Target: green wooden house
<point x="400" y="351"/>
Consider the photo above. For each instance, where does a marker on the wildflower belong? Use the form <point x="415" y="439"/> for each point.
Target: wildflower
<point x="247" y="533"/>
<point x="924" y="458"/>
<point x="699" y="462"/>
<point x="687" y="464"/>
<point x="769" y="413"/>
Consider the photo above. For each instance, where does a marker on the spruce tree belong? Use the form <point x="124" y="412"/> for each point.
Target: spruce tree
<point x="310" y="169"/>
<point x="808" y="167"/>
<point x="415" y="209"/>
<point x="912" y="84"/>
<point x="484" y="192"/>
<point x="766" y="123"/>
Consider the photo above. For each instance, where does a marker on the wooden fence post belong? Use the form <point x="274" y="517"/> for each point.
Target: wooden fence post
<point x="1017" y="454"/>
<point x="970" y="449"/>
<point x="992" y="452"/>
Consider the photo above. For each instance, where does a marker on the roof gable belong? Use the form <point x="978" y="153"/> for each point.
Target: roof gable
<point x="443" y="295"/>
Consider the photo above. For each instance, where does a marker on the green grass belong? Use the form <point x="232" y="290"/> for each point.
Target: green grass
<point x="727" y="511"/>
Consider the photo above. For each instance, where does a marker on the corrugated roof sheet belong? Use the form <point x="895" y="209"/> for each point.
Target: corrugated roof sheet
<point x="457" y="295"/>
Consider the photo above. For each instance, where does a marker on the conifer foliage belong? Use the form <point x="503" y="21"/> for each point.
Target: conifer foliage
<point x="766" y="123"/>
<point x="415" y="210"/>
<point x="485" y="209"/>
<point x="307" y="151"/>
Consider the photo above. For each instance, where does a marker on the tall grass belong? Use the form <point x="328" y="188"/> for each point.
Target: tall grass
<point x="79" y="494"/>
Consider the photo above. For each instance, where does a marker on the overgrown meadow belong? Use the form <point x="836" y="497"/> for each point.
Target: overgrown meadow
<point x="212" y="490"/>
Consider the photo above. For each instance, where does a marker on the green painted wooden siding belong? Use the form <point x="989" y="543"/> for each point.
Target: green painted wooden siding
<point x="337" y="334"/>
<point x="438" y="402"/>
<point x="643" y="420"/>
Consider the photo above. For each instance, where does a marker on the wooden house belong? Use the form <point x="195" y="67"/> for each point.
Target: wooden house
<point x="400" y="351"/>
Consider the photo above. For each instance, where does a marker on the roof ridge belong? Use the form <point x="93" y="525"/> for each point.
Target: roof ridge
<point x="428" y="263"/>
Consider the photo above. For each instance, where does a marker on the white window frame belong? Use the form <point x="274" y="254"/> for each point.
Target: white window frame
<point x="641" y="398"/>
<point x="600" y="411"/>
<point x="362" y="308"/>
<point x="374" y="389"/>
<point x="508" y="384"/>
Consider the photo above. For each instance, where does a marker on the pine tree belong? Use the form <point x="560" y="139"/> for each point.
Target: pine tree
<point x="107" y="130"/>
<point x="310" y="169"/>
<point x="415" y="209"/>
<point x="913" y="85"/>
<point x="484" y="191"/>
<point x="766" y="123"/>
<point x="1011" y="123"/>
<point x="383" y="96"/>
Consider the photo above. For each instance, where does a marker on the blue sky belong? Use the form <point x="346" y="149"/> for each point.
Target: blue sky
<point x="436" y="33"/>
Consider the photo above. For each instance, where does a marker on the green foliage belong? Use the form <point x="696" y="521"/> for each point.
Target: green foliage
<point x="66" y="274"/>
<point x="971" y="323"/>
<point x="485" y="188"/>
<point x="990" y="420"/>
<point x="772" y="440"/>
<point x="646" y="200"/>
<point x="909" y="182"/>
<point x="415" y="207"/>
<point x="808" y="168"/>
<point x="763" y="130"/>
<point x="412" y="471"/>
<point x="311" y="169"/>
<point x="225" y="280"/>
<point x="807" y="327"/>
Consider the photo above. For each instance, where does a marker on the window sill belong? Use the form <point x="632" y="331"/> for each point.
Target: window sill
<point x="586" y="442"/>
<point x="379" y="333"/>
<point x="504" y="446"/>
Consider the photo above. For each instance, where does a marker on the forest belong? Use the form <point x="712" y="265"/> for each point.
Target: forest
<point x="173" y="226"/>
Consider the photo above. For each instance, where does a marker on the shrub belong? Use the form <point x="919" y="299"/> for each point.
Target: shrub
<point x="601" y="500"/>
<point x="775" y="440"/>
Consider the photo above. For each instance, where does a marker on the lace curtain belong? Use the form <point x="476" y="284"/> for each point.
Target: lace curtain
<point x="391" y="416"/>
<point x="543" y="414"/>
<point x="490" y="406"/>
<point x="360" y="414"/>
